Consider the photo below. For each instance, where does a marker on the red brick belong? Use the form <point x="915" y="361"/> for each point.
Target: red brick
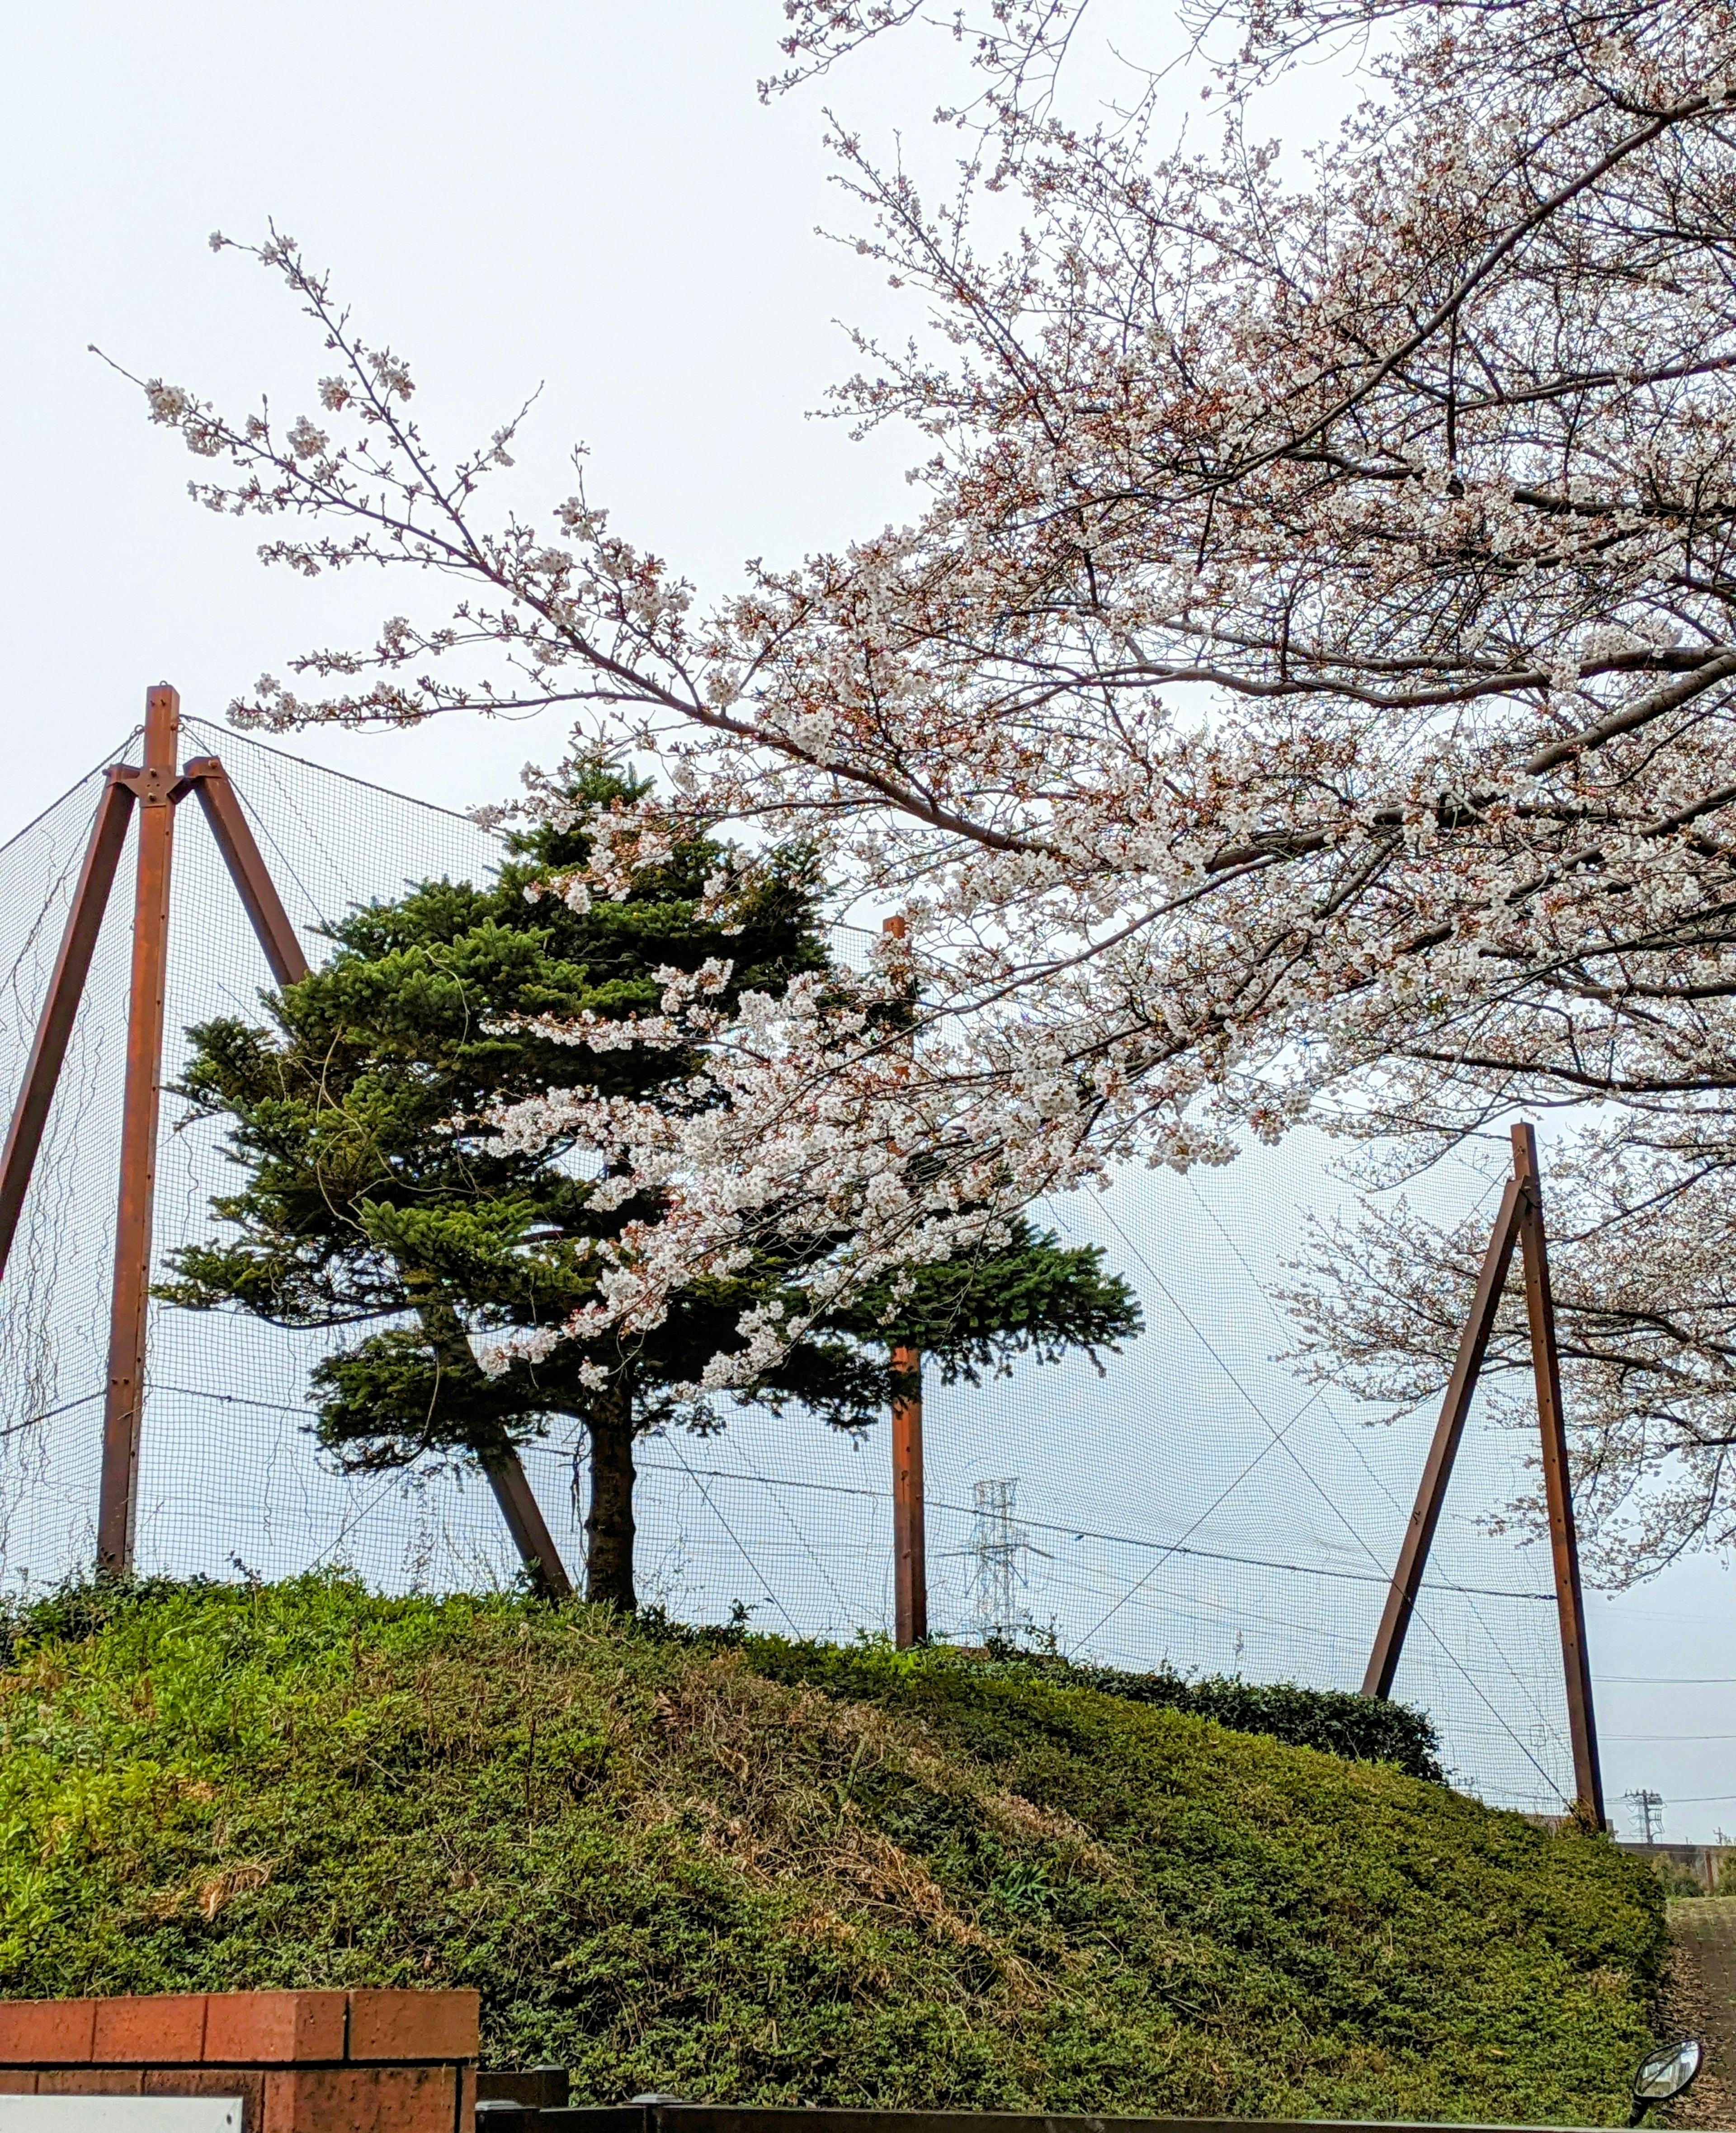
<point x="46" y="2032"/>
<point x="356" y="2099"/>
<point x="413" y="2026"/>
<point x="277" y="2027"/>
<point x="91" y="2081"/>
<point x="17" y="2080"/>
<point x="160" y="2029"/>
<point x="249" y="2083"/>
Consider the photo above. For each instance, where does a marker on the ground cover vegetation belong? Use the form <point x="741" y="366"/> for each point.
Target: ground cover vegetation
<point x="379" y="1191"/>
<point x="731" y="1868"/>
<point x="1305" y="685"/>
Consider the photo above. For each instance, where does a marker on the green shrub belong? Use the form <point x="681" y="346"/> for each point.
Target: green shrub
<point x="1363" y="1728"/>
<point x="741" y="1872"/>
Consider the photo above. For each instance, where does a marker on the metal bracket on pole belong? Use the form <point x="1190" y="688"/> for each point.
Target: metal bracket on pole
<point x="1520" y="1222"/>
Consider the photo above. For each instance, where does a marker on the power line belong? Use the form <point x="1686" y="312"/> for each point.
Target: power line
<point x="1349" y="1441"/>
<point x="1062" y="1526"/>
<point x="229" y="1466"/>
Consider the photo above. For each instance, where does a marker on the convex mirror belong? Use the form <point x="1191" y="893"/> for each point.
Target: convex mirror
<point x="1664" y="2074"/>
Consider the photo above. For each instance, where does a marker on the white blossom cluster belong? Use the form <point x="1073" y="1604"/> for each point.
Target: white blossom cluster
<point x="1308" y="687"/>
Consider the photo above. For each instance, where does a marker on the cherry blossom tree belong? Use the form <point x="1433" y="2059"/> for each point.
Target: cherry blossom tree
<point x="1306" y="688"/>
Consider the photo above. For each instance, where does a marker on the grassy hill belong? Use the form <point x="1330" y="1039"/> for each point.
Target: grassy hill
<point x="784" y="1873"/>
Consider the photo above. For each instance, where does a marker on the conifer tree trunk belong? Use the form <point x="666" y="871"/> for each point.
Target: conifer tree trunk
<point x="608" y="1523"/>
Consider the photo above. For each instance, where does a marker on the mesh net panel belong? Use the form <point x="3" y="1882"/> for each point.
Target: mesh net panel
<point x="1195" y="1505"/>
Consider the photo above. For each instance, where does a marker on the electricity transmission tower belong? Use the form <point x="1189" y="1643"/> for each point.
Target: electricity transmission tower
<point x="1648" y="1814"/>
<point x="998" y="1549"/>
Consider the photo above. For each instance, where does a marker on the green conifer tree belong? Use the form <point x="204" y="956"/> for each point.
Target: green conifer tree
<point x="364" y="1204"/>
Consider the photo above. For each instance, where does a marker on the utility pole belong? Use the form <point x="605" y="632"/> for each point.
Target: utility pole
<point x="909" y="1538"/>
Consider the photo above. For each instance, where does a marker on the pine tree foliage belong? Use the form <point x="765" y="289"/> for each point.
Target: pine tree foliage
<point x="378" y="1195"/>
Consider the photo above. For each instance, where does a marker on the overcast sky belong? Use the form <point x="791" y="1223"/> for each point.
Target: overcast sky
<point x="583" y="197"/>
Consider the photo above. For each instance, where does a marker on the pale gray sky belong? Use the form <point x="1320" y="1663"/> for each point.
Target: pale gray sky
<point x="575" y="194"/>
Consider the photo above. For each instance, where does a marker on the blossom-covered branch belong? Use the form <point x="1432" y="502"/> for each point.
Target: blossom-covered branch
<point x="1308" y="683"/>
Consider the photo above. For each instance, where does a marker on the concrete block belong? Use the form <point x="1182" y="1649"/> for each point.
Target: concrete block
<point x="413" y="2026"/>
<point x="274" y="2027"/>
<point x="152" y="2030"/>
<point x="46" y="2032"/>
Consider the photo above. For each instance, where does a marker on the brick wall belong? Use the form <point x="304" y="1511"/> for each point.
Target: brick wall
<point x="361" y="2062"/>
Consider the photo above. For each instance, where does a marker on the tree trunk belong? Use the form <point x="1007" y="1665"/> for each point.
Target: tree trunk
<point x="608" y="1523"/>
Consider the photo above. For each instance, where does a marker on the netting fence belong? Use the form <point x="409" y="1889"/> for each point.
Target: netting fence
<point x="1196" y="1505"/>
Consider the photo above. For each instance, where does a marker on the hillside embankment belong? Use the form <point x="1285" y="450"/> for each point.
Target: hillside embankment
<point x="1698" y="2000"/>
<point x="741" y="1869"/>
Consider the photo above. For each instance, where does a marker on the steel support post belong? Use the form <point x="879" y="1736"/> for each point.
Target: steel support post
<point x="909" y="1539"/>
<point x="525" y="1524"/>
<point x="910" y="1546"/>
<point x="154" y="789"/>
<point x="1558" y="1489"/>
<point x="59" y="1010"/>
<point x="205" y="775"/>
<point x="1413" y="1554"/>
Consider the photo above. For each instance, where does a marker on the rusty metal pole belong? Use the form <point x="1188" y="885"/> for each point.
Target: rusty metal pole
<point x="1557" y="1483"/>
<point x="205" y="776"/>
<point x="910" y="1539"/>
<point x="522" y="1516"/>
<point x="910" y="1552"/>
<point x="1413" y="1554"/>
<point x="154" y="789"/>
<point x="60" y="1010"/>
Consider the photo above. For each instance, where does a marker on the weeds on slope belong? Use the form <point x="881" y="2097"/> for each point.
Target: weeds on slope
<point x="737" y="1869"/>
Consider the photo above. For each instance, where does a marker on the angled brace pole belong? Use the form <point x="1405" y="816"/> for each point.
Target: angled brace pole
<point x="525" y="1522"/>
<point x="513" y="1495"/>
<point x="205" y="776"/>
<point x="53" y="1031"/>
<point x="1557" y="1486"/>
<point x="1413" y="1556"/>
